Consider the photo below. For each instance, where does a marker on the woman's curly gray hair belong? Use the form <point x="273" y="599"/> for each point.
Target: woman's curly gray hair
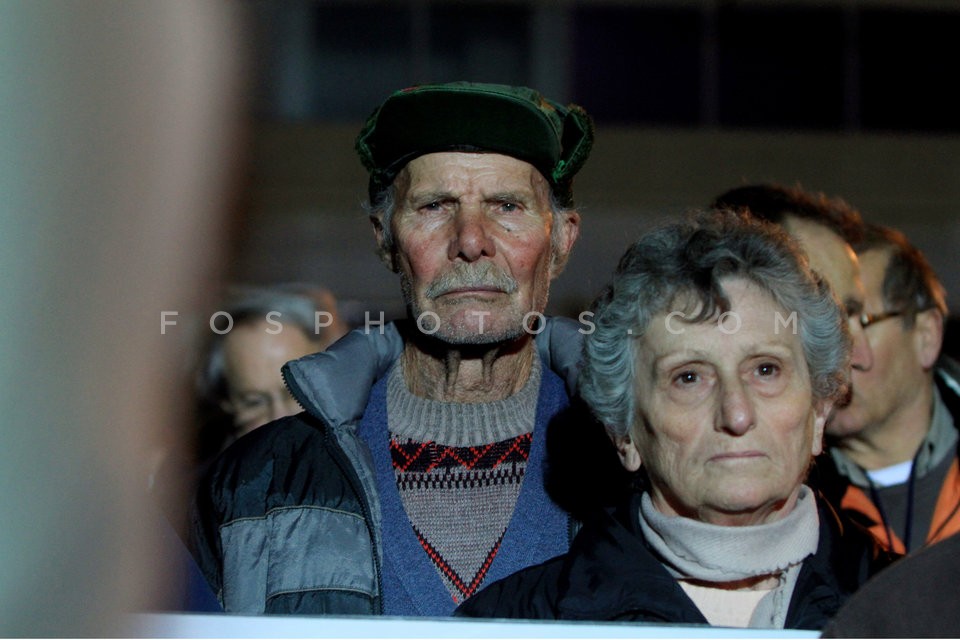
<point x="684" y="264"/>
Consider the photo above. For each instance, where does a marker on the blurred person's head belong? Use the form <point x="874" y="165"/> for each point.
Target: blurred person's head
<point x="716" y="357"/>
<point x="904" y="321"/>
<point x="239" y="383"/>
<point x="825" y="228"/>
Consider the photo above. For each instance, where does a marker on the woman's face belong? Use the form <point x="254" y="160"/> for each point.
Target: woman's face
<point x="727" y="423"/>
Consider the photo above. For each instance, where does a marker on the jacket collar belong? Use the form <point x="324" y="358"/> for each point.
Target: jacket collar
<point x="610" y="573"/>
<point x="334" y="385"/>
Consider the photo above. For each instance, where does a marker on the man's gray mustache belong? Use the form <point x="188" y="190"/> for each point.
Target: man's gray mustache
<point x="468" y="276"/>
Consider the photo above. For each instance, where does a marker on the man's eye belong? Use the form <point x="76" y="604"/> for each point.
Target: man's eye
<point x="251" y="403"/>
<point x="509" y="207"/>
<point x="432" y="206"/>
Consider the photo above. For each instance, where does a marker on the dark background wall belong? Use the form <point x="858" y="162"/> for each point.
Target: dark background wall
<point x="689" y="97"/>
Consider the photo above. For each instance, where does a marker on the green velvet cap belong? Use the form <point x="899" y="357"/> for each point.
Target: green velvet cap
<point x="466" y="116"/>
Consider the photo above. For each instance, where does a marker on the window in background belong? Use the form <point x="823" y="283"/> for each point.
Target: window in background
<point x="781" y="68"/>
<point x="911" y="62"/>
<point x="638" y="66"/>
<point x="830" y="67"/>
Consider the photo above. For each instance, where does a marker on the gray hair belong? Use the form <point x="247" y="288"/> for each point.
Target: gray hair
<point x="685" y="263"/>
<point x="910" y="284"/>
<point x="297" y="306"/>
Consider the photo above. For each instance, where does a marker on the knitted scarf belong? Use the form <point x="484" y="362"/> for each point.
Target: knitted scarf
<point x="690" y="549"/>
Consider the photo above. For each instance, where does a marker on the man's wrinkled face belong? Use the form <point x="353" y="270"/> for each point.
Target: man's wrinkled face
<point x="473" y="244"/>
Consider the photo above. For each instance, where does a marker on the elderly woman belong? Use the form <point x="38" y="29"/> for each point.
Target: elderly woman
<point x="714" y="361"/>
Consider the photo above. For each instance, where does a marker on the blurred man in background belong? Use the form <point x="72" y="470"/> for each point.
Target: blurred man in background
<point x="238" y="383"/>
<point x="893" y="450"/>
<point x="239" y="386"/>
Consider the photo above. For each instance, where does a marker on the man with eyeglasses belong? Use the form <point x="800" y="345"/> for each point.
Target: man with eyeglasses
<point x="893" y="450"/>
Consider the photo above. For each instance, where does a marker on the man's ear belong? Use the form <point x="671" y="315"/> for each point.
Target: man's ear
<point x="928" y="337"/>
<point x="628" y="452"/>
<point x="385" y="253"/>
<point x="566" y="235"/>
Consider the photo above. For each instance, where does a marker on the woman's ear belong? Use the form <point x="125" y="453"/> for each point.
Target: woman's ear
<point x="629" y="455"/>
<point x="822" y="409"/>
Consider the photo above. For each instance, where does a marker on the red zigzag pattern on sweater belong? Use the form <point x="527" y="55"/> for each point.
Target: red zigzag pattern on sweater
<point x="422" y="457"/>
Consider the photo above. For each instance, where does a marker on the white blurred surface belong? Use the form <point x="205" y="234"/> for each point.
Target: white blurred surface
<point x="233" y="626"/>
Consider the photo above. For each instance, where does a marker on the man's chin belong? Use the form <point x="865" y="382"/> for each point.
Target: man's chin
<point x="842" y="425"/>
<point x="475" y="337"/>
<point x="473" y="326"/>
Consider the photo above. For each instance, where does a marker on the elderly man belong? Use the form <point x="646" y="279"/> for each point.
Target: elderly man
<point x="893" y="450"/>
<point x="716" y="358"/>
<point x="415" y="475"/>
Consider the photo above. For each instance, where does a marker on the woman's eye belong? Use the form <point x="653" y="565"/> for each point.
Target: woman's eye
<point x="432" y="206"/>
<point x="768" y="369"/>
<point x="687" y="377"/>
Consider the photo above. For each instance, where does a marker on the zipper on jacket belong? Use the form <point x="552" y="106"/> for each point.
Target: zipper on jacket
<point x="353" y="479"/>
<point x="350" y="473"/>
<point x="294" y="390"/>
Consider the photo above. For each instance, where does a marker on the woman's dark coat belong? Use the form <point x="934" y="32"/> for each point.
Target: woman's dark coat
<point x="610" y="573"/>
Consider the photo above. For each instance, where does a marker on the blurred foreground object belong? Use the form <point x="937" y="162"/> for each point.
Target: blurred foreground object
<point x="118" y="123"/>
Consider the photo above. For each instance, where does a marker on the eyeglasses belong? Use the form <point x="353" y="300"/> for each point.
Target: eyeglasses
<point x="869" y="319"/>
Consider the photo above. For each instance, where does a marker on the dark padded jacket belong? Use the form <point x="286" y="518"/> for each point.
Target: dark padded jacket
<point x="610" y="573"/>
<point x="287" y="520"/>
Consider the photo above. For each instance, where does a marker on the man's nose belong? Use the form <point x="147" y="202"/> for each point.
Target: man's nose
<point x="861" y="356"/>
<point x="472" y="239"/>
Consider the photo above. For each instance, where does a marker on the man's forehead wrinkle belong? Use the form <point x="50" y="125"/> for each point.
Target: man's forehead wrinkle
<point x="461" y="177"/>
<point x="428" y="195"/>
<point x="512" y="192"/>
